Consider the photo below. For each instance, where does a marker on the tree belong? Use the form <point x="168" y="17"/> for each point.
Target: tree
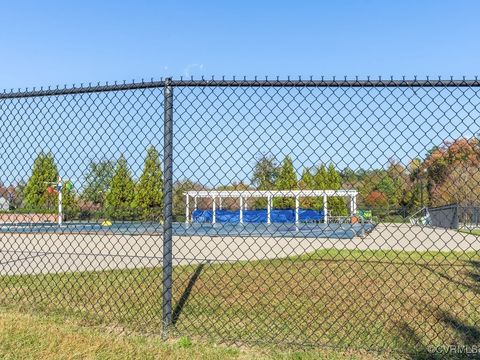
<point x="401" y="182"/>
<point x="286" y="180"/>
<point x="264" y="176"/>
<point x="265" y="173"/>
<point x="376" y="199"/>
<point x="307" y="182"/>
<point x="44" y="171"/>
<point x="234" y="203"/>
<point x="414" y="168"/>
<point x="336" y="205"/>
<point x="320" y="183"/>
<point x="16" y="196"/>
<point x="461" y="186"/>
<point x="149" y="189"/>
<point x="348" y="176"/>
<point x="120" y="196"/>
<point x="179" y="190"/>
<point x="98" y="181"/>
<point x="442" y="161"/>
<point x="388" y="187"/>
<point x="70" y="205"/>
<point x="415" y="194"/>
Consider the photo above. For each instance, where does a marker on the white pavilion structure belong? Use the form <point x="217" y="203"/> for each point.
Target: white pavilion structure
<point x="244" y="195"/>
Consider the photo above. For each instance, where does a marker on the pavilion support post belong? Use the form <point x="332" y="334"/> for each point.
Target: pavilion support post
<point x="269" y="209"/>
<point x="241" y="210"/>
<point x="214" y="210"/>
<point x="354" y="205"/>
<point x="325" y="209"/>
<point x="297" y="204"/>
<point x="187" y="208"/>
<point x="220" y="203"/>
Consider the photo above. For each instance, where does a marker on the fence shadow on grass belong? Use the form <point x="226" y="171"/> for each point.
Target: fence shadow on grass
<point x="472" y="275"/>
<point x="475" y="274"/>
<point x="413" y="344"/>
<point x="186" y="294"/>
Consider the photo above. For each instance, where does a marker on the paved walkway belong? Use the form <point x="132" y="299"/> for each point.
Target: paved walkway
<point x="52" y="253"/>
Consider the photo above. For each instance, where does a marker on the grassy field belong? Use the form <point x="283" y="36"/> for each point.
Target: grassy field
<point x="361" y="299"/>
<point x="27" y="336"/>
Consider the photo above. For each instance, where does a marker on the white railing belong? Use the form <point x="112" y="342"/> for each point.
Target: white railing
<point x="420" y="220"/>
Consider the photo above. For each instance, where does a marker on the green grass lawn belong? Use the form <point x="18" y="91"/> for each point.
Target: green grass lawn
<point x="361" y="299"/>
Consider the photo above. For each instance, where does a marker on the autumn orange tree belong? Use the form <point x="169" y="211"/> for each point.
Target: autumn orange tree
<point x="452" y="172"/>
<point x="460" y="186"/>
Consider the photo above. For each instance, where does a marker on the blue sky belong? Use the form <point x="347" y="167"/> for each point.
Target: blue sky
<point x="58" y="42"/>
<point x="49" y="43"/>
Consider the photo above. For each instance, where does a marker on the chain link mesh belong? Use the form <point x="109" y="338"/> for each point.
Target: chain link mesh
<point x="315" y="213"/>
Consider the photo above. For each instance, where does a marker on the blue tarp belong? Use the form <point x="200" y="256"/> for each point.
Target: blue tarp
<point x="257" y="216"/>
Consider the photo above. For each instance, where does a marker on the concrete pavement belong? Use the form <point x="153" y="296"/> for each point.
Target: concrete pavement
<point x="52" y="252"/>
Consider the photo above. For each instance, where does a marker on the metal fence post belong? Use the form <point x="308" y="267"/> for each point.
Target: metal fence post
<point x="167" y="207"/>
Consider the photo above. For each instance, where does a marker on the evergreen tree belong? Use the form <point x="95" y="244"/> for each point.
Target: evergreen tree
<point x="264" y="176"/>
<point x="336" y="205"/>
<point x="307" y="182"/>
<point x="320" y="183"/>
<point x="149" y="189"/>
<point x="44" y="172"/>
<point x="286" y="180"/>
<point x="120" y="196"/>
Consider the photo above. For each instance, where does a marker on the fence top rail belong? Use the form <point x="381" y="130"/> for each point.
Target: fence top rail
<point x="345" y="83"/>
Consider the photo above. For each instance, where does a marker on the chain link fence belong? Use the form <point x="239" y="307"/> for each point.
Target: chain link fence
<point x="246" y="211"/>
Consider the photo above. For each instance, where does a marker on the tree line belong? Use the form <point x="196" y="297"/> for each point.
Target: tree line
<point x="109" y="189"/>
<point x="450" y="173"/>
<point x="269" y="175"/>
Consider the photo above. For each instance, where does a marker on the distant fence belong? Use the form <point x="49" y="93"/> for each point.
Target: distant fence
<point x="444" y="216"/>
<point x="27" y="218"/>
<point x="455" y="216"/>
<point x="469" y="216"/>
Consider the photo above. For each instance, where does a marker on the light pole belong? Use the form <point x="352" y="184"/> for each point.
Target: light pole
<point x="59" y="185"/>
<point x="421" y="192"/>
<point x="424" y="172"/>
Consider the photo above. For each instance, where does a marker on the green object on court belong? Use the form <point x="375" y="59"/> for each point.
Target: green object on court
<point x="69" y="185"/>
<point x="365" y="214"/>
